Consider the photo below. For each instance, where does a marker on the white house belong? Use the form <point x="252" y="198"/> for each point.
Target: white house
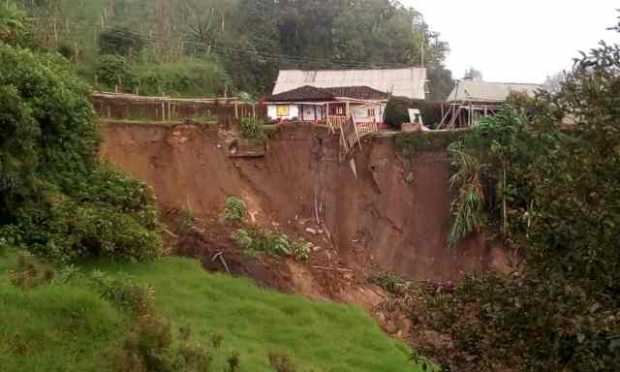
<point x="313" y="96"/>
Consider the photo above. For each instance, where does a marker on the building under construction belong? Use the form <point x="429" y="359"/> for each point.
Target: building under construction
<point x="472" y="100"/>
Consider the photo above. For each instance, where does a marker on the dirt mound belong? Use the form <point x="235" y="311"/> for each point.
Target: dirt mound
<point x="216" y="257"/>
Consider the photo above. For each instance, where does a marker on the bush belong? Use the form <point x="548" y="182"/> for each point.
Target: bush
<point x="124" y="293"/>
<point x="60" y="200"/>
<point x="235" y="209"/>
<point x="119" y="41"/>
<point x="254" y="241"/>
<point x="186" y="77"/>
<point x="396" y="111"/>
<point x="114" y="70"/>
<point x="251" y="128"/>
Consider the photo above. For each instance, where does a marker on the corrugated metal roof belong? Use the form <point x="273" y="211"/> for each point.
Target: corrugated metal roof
<point x="308" y="93"/>
<point x="404" y="82"/>
<point x="483" y="91"/>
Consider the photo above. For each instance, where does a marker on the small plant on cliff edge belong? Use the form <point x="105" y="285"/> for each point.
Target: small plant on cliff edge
<point x="235" y="209"/>
<point x="251" y="128"/>
<point x="254" y="241"/>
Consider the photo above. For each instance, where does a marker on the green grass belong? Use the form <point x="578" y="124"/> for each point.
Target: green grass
<point x="55" y="327"/>
<point x="69" y="328"/>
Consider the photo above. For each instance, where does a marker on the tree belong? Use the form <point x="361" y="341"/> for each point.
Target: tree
<point x="553" y="83"/>
<point x="472" y="74"/>
<point x="559" y="310"/>
<point x="120" y="41"/>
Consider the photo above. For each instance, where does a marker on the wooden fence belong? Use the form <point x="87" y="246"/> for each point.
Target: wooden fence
<point x="115" y="106"/>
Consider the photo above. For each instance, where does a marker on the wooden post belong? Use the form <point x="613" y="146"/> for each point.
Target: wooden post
<point x="347" y="110"/>
<point x="236" y="111"/>
<point x="301" y="108"/>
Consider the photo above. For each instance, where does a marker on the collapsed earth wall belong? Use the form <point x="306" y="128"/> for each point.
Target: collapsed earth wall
<point x="393" y="212"/>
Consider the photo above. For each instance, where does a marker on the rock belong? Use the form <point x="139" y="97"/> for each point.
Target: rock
<point x="316" y="248"/>
<point x="310" y="230"/>
<point x="409" y="178"/>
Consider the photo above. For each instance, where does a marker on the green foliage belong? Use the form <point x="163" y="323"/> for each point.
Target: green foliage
<point x="254" y="322"/>
<point x="14" y="28"/>
<point x="251" y="128"/>
<point x="114" y="70"/>
<point x="409" y="144"/>
<point x="30" y="273"/>
<point x="281" y="362"/>
<point x="235" y="209"/>
<point x="255" y="240"/>
<point x="61" y="201"/>
<point x="119" y="41"/>
<point x="187" y="77"/>
<point x="124" y="293"/>
<point x="468" y="206"/>
<point x="396" y="111"/>
<point x="248" y="39"/>
<point x="558" y="189"/>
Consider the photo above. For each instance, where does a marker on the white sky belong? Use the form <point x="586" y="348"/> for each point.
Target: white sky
<point x="518" y="40"/>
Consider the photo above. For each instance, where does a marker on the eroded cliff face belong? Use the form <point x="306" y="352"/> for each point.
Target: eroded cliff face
<point x="377" y="209"/>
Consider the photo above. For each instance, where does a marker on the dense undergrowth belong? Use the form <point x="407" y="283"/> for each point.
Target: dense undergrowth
<point x="56" y="198"/>
<point x="551" y="164"/>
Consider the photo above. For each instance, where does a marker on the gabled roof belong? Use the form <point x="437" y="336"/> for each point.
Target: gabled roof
<point x="309" y="93"/>
<point x="305" y="93"/>
<point x="404" y="82"/>
<point x="483" y="91"/>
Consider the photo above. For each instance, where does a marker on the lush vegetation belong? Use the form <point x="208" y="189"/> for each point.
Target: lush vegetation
<point x="57" y="199"/>
<point x="552" y="165"/>
<point x="218" y="46"/>
<point x="85" y="320"/>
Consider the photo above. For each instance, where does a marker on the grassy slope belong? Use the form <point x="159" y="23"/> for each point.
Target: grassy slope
<point x="77" y="328"/>
<point x="55" y="328"/>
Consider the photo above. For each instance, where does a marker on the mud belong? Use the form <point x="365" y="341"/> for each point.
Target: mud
<point x="389" y="215"/>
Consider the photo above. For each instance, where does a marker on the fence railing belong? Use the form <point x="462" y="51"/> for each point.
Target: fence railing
<point x="115" y="106"/>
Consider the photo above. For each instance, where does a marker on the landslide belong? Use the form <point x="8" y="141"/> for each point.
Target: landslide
<point x="374" y="212"/>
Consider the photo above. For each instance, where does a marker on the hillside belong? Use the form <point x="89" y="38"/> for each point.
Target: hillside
<point x="69" y="327"/>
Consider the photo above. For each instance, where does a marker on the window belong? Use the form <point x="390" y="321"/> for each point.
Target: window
<point x="282" y="111"/>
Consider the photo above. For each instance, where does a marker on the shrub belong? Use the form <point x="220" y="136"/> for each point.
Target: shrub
<point x="119" y="41"/>
<point x="124" y="293"/>
<point x="60" y="199"/>
<point x="186" y="77"/>
<point x="251" y="128"/>
<point x="557" y="191"/>
<point x="254" y="241"/>
<point x="396" y="111"/>
<point x="235" y="209"/>
<point x="114" y="70"/>
<point x="13" y="24"/>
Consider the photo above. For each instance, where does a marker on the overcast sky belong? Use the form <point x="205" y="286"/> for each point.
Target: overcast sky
<point x="518" y="40"/>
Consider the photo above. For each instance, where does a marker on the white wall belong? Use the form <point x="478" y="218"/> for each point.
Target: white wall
<point x="272" y="112"/>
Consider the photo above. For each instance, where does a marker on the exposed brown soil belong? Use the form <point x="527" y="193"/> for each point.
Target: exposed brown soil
<point x="389" y="215"/>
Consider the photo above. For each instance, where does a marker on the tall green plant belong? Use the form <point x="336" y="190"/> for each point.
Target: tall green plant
<point x="468" y="207"/>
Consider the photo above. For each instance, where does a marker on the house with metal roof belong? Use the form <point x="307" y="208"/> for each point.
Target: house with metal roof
<point x="472" y="100"/>
<point x="335" y="96"/>
<point x="402" y="82"/>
